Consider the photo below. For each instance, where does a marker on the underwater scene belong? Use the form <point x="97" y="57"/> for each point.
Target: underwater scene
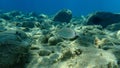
<point x="59" y="34"/>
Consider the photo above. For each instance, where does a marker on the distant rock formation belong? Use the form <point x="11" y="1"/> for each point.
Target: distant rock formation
<point x="103" y="18"/>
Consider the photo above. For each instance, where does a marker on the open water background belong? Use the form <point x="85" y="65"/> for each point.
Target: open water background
<point x="78" y="7"/>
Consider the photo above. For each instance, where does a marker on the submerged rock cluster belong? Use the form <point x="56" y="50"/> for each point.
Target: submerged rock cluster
<point x="38" y="41"/>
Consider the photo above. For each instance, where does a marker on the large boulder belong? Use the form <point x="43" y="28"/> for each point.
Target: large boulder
<point x="64" y="15"/>
<point x="103" y="18"/>
<point x="28" y="24"/>
<point x="13" y="49"/>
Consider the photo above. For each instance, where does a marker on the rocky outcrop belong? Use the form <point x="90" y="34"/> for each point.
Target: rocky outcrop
<point x="13" y="48"/>
<point x="103" y="18"/>
<point x="64" y="15"/>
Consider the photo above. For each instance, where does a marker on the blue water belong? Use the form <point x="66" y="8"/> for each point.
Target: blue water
<point x="78" y="7"/>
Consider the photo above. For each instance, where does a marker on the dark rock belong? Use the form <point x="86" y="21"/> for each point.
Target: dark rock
<point x="14" y="47"/>
<point x="64" y="15"/>
<point x="43" y="39"/>
<point x="28" y="24"/>
<point x="44" y="52"/>
<point x="67" y="55"/>
<point x="103" y="18"/>
<point x="5" y="16"/>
